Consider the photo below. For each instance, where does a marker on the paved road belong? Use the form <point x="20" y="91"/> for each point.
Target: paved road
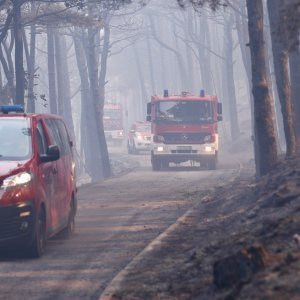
<point x="116" y="220"/>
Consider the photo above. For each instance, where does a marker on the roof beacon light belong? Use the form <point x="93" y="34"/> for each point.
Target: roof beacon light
<point x="202" y="93"/>
<point x="11" y="108"/>
<point x="166" y="93"/>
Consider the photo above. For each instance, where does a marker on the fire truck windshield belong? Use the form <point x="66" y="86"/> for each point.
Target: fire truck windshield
<point x="184" y="112"/>
<point x="143" y="128"/>
<point x="114" y="114"/>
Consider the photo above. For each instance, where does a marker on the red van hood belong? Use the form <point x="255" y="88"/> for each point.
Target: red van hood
<point x="6" y="167"/>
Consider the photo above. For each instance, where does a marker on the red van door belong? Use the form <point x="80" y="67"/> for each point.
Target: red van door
<point x="47" y="180"/>
<point x="62" y="175"/>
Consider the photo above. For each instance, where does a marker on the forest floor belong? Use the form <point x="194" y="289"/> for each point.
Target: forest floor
<point x="241" y="241"/>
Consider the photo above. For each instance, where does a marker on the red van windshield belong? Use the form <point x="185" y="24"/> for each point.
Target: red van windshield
<point x="15" y="135"/>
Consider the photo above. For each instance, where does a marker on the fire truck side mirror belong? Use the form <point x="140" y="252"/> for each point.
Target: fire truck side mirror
<point x="219" y="108"/>
<point x="149" y="108"/>
<point x="148" y="118"/>
<point x="219" y="118"/>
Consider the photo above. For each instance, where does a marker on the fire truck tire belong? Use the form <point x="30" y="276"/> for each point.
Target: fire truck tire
<point x="129" y="148"/>
<point x="134" y="150"/>
<point x="212" y="163"/>
<point x="118" y="143"/>
<point x="156" y="164"/>
<point x="164" y="164"/>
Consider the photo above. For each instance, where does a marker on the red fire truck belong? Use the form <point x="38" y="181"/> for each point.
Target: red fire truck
<point x="184" y="128"/>
<point x="113" y="123"/>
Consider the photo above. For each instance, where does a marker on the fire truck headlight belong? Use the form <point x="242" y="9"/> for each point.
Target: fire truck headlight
<point x="160" y="149"/>
<point x="158" y="139"/>
<point x="207" y="138"/>
<point x="120" y="133"/>
<point x="138" y="136"/>
<point x="209" y="149"/>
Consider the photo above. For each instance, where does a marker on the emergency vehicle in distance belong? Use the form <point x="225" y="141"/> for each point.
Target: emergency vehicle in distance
<point x="184" y="128"/>
<point x="139" y="138"/>
<point x="113" y="123"/>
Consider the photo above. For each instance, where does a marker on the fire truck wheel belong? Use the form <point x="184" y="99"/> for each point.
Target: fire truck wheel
<point x="164" y="164"/>
<point x="156" y="164"/>
<point x="212" y="163"/>
<point x="118" y="143"/>
<point x="129" y="148"/>
<point x="134" y="150"/>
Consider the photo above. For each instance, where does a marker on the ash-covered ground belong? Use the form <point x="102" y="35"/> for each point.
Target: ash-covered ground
<point x="240" y="241"/>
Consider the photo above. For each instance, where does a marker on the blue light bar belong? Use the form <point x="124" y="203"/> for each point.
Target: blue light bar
<point x="166" y="93"/>
<point x="202" y="93"/>
<point x="11" y="108"/>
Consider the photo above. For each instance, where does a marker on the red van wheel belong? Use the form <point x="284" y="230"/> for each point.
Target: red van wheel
<point x="70" y="228"/>
<point x="71" y="222"/>
<point x="38" y="246"/>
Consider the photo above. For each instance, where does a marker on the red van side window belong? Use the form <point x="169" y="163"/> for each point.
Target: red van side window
<point x="41" y="140"/>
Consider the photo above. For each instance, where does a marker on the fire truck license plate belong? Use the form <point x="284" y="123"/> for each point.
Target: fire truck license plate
<point x="186" y="148"/>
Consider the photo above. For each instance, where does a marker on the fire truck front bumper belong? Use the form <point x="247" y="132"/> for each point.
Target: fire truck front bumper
<point x="182" y="153"/>
<point x="114" y="135"/>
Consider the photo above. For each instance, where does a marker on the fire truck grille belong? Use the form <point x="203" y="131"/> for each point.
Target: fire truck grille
<point x="185" y="138"/>
<point x="184" y="151"/>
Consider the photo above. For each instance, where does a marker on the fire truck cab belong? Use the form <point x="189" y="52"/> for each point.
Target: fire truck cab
<point x="113" y="123"/>
<point x="184" y="128"/>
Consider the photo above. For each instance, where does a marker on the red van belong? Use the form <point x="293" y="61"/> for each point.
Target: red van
<point x="37" y="179"/>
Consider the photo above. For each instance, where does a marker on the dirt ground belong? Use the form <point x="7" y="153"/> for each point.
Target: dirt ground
<point x="116" y="220"/>
<point x="241" y="241"/>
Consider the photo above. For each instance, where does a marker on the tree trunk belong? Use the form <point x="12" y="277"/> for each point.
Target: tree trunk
<point x="102" y="76"/>
<point x="232" y="103"/>
<point x="179" y="59"/>
<point x="51" y="71"/>
<point x="188" y="26"/>
<point x="276" y="113"/>
<point x="87" y="123"/>
<point x="66" y="88"/>
<point x="97" y="169"/>
<point x="243" y="36"/>
<point x="60" y="80"/>
<point x="30" y="58"/>
<point x="204" y="57"/>
<point x="151" y="65"/>
<point x="143" y="92"/>
<point x="281" y="67"/>
<point x="295" y="84"/>
<point x="182" y="72"/>
<point x="8" y="70"/>
<point x="19" y="68"/>
<point x="264" y="138"/>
